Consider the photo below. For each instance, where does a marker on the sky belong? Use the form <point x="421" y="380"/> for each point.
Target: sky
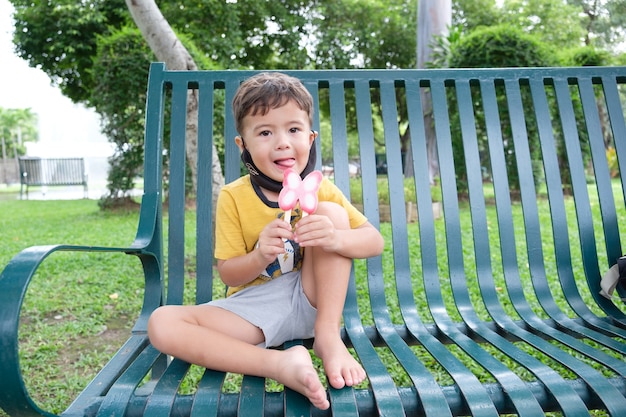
<point x="65" y="129"/>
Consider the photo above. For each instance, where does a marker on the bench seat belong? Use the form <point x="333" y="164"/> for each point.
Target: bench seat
<point x="492" y="308"/>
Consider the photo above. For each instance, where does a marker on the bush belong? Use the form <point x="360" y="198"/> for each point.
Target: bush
<point x="586" y="56"/>
<point x="498" y="47"/>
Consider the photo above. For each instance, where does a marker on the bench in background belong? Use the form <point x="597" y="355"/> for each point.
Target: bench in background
<point x="51" y="172"/>
<point x="494" y="308"/>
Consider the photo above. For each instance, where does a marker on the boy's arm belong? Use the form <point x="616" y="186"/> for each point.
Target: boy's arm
<point x="240" y="270"/>
<point x="362" y="242"/>
<point x="243" y="269"/>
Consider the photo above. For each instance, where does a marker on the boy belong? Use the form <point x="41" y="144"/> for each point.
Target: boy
<point x="286" y="281"/>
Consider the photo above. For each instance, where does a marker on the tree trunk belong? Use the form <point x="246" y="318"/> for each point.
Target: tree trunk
<point x="433" y="18"/>
<point x="165" y="45"/>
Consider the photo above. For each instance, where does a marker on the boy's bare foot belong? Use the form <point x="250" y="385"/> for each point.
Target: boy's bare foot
<point x="340" y="367"/>
<point x="297" y="372"/>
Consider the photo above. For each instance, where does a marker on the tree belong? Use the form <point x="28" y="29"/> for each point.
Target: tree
<point x="364" y="34"/>
<point x="552" y="21"/>
<point x="604" y="21"/>
<point x="17" y="126"/>
<point x="60" y="37"/>
<point x="433" y="20"/>
<point x="167" y="48"/>
<point x="472" y="14"/>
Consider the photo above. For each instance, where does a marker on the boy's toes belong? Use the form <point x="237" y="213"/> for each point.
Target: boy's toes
<point x="358" y="376"/>
<point x="336" y="380"/>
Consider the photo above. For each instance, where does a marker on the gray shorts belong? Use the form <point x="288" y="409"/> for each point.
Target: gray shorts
<point x="279" y="308"/>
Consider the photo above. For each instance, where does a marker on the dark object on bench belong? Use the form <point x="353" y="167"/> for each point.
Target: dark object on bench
<point x="502" y="307"/>
<point x="51" y="172"/>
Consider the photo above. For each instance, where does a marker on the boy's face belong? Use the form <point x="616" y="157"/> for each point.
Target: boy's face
<point x="278" y="140"/>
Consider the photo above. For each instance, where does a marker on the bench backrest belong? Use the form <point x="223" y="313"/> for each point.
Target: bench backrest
<point x="52" y="171"/>
<point x="514" y="147"/>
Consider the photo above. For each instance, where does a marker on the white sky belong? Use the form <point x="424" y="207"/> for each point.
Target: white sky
<point x="65" y="129"/>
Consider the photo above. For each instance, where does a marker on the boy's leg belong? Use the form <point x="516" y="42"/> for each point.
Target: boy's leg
<point x="218" y="339"/>
<point x="325" y="277"/>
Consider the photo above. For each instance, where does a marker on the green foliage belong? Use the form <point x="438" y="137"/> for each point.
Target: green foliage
<point x="296" y="35"/>
<point x="500" y="46"/>
<point x="472" y="14"/>
<point x="366" y="34"/>
<point x="60" y="37"/>
<point x="253" y="34"/>
<point x="17" y="126"/>
<point x="441" y="47"/>
<point x="120" y="73"/>
<point x="551" y="21"/>
<point x="119" y="96"/>
<point x="604" y="21"/>
<point x="611" y="156"/>
<point x="586" y="56"/>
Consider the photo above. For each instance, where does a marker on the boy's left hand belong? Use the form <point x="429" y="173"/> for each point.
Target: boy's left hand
<point x="316" y="230"/>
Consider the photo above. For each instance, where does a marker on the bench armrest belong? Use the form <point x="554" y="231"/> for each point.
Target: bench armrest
<point x="14" y="281"/>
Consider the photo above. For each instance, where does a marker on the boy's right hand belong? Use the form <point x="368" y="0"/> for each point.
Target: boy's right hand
<point x="272" y="240"/>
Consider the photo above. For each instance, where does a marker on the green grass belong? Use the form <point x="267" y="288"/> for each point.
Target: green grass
<point x="80" y="307"/>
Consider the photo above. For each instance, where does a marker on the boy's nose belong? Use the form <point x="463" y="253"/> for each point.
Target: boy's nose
<point x="282" y="141"/>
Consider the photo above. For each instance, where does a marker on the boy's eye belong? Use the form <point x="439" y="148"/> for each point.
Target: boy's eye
<point x="265" y="133"/>
<point x="294" y="130"/>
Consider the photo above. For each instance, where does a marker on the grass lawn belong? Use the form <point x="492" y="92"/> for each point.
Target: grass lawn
<point x="80" y="307"/>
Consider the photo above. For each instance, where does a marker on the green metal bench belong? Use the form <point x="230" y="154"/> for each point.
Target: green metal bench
<point x="494" y="308"/>
<point x="43" y="172"/>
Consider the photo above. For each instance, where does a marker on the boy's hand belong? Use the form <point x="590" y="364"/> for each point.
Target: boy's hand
<point x="271" y="240"/>
<point x="316" y="230"/>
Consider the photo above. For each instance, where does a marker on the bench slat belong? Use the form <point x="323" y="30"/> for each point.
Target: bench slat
<point x="176" y="194"/>
<point x="161" y="400"/>
<point x="252" y="398"/>
<point x="204" y="218"/>
<point x="120" y="394"/>
<point x="207" y="399"/>
<point x="384" y="390"/>
<point x="84" y="403"/>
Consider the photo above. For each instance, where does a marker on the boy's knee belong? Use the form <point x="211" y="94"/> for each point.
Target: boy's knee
<point x="157" y="327"/>
<point x="336" y="213"/>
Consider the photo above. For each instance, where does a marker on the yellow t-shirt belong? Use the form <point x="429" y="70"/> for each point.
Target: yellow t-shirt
<point x="242" y="214"/>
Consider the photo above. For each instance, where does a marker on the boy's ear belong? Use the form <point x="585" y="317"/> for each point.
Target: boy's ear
<point x="312" y="137"/>
<point x="239" y="143"/>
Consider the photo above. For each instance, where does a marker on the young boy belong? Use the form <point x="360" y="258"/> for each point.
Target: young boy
<point x="286" y="281"/>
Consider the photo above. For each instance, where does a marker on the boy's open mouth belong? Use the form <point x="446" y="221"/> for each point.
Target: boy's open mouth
<point x="285" y="163"/>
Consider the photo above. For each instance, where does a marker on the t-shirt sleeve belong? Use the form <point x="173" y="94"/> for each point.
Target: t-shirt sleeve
<point x="229" y="239"/>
